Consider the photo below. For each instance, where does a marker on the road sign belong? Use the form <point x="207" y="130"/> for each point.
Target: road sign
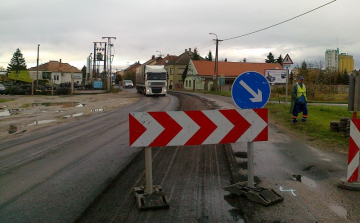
<point x="177" y="128"/>
<point x="222" y="75"/>
<point x="214" y="77"/>
<point x="354" y="151"/>
<point x="276" y="76"/>
<point x="222" y="80"/>
<point x="287" y="60"/>
<point x="98" y="84"/>
<point x="250" y="90"/>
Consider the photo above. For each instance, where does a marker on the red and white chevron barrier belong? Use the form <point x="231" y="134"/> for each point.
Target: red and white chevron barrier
<point x="177" y="128"/>
<point x="354" y="148"/>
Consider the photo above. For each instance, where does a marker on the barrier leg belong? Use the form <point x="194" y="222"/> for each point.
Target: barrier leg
<point x="150" y="197"/>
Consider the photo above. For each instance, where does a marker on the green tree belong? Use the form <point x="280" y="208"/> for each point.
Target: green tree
<point x="195" y="55"/>
<point x="184" y="74"/>
<point x="279" y="60"/>
<point x="118" y="79"/>
<point x="209" y="57"/>
<point x="304" y="71"/>
<point x="17" y="62"/>
<point x="345" y="77"/>
<point x="270" y="58"/>
<point x="339" y="79"/>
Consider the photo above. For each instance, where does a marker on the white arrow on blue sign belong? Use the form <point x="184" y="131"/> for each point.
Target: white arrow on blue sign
<point x="250" y="90"/>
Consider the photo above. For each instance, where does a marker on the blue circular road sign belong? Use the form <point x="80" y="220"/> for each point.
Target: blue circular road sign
<point x="250" y="90"/>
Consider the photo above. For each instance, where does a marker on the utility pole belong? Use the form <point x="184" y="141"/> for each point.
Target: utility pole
<point x="37" y="68"/>
<point x="109" y="57"/>
<point x="216" y="70"/>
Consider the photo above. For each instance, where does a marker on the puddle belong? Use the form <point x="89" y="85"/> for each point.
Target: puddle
<point x="63" y="104"/>
<point x="339" y="210"/>
<point x="74" y="115"/>
<point x="97" y="110"/>
<point x="8" y="112"/>
<point x="5" y="113"/>
<point x="305" y="180"/>
<point x="41" y="122"/>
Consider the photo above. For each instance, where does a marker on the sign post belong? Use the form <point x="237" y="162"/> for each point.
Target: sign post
<point x="286" y="63"/>
<point x="250" y="92"/>
<point x="148" y="167"/>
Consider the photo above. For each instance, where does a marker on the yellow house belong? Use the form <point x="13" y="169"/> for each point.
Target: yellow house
<point x="176" y="68"/>
<point x="346" y="62"/>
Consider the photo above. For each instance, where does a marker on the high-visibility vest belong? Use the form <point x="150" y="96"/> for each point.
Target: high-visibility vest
<point x="301" y="91"/>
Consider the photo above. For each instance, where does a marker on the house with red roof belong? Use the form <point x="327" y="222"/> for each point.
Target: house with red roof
<point x="200" y="75"/>
<point x="57" y="71"/>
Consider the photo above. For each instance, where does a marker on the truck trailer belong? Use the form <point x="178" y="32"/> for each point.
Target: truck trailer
<point x="151" y="80"/>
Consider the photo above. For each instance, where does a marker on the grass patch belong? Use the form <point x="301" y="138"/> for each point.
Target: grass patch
<point x="25" y="106"/>
<point x="5" y="100"/>
<point x="222" y="93"/>
<point x="320" y="98"/>
<point x="318" y="124"/>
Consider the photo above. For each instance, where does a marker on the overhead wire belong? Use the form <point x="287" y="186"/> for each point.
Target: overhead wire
<point x="280" y="22"/>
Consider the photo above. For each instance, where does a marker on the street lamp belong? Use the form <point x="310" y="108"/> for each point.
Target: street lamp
<point x="37" y="68"/>
<point x="159" y="52"/>
<point x="216" y="70"/>
<point x="213" y="34"/>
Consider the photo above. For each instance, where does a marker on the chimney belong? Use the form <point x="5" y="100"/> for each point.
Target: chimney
<point x="185" y="50"/>
<point x="153" y="57"/>
<point x="244" y="60"/>
<point x="60" y="62"/>
<point x="189" y="49"/>
<point x="225" y="59"/>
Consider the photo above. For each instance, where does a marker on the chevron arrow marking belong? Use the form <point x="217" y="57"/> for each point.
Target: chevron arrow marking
<point x="177" y="128"/>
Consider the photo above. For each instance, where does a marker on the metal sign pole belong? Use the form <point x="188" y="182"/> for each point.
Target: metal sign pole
<point x="287" y="81"/>
<point x="148" y="166"/>
<point x="250" y="164"/>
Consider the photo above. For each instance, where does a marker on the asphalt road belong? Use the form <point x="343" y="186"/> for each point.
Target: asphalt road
<point x="53" y="176"/>
<point x="193" y="177"/>
<point x="312" y="196"/>
<point x="85" y="171"/>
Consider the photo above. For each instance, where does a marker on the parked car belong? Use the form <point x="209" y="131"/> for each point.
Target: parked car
<point x="128" y="84"/>
<point x="2" y="89"/>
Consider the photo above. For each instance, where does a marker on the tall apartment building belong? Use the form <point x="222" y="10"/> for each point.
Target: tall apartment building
<point x="346" y="62"/>
<point x="332" y="59"/>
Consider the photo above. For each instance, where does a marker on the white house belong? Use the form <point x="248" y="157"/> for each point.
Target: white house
<point x="57" y="71"/>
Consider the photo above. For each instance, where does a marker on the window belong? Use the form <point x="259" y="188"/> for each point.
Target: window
<point x="181" y="71"/>
<point x="189" y="83"/>
<point x="186" y="83"/>
<point x="171" y="71"/>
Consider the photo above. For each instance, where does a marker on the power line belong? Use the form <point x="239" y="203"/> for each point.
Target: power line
<point x="281" y="22"/>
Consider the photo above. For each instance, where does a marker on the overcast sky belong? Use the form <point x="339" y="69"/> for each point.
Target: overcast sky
<point x="67" y="29"/>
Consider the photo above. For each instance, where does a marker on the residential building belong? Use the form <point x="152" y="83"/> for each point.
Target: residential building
<point x="200" y="73"/>
<point x="176" y="68"/>
<point x="332" y="59"/>
<point x="57" y="71"/>
<point x="166" y="59"/>
<point x="346" y="62"/>
<point x="132" y="68"/>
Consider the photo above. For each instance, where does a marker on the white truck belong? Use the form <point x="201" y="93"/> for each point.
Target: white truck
<point x="151" y="80"/>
